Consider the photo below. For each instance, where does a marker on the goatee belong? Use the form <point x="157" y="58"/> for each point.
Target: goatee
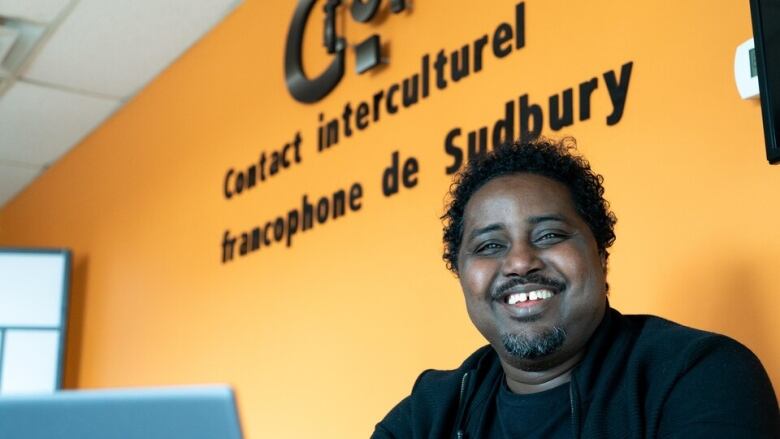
<point x="531" y="348"/>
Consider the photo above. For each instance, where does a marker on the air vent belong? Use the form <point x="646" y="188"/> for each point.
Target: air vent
<point x="8" y="38"/>
<point x="22" y="39"/>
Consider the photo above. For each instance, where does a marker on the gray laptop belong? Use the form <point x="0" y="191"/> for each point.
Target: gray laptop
<point x="206" y="412"/>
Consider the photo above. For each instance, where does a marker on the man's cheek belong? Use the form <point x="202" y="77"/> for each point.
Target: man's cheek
<point x="477" y="278"/>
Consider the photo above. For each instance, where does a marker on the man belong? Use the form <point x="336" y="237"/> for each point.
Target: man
<point x="527" y="232"/>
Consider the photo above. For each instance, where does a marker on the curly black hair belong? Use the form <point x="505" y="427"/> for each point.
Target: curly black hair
<point x="555" y="159"/>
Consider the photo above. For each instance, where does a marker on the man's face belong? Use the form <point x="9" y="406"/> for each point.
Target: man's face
<point x="531" y="272"/>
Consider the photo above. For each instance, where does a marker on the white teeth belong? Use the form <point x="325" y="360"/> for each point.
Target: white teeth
<point x="533" y="295"/>
<point x="544" y="294"/>
<point x="517" y="297"/>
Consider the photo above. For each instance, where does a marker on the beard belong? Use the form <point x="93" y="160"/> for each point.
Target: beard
<point x="531" y="348"/>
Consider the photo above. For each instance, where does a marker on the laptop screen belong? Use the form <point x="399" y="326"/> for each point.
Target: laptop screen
<point x="207" y="412"/>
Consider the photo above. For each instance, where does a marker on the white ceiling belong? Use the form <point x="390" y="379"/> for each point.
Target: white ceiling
<point x="69" y="64"/>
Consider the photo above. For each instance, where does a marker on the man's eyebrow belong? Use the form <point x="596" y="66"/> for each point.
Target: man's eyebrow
<point x="532" y="220"/>
<point x="486" y="229"/>
<point x="540" y="219"/>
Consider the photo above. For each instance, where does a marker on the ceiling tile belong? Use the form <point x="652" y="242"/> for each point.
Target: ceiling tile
<point x="114" y="47"/>
<point x="39" y="11"/>
<point x="38" y="124"/>
<point x="13" y="179"/>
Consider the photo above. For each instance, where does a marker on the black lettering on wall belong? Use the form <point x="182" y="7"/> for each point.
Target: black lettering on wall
<point x="586" y="89"/>
<point x="479" y="47"/>
<point x="345" y="118"/>
<point x="292" y="225"/>
<point x="501" y="37"/>
<point x="558" y="118"/>
<point x="618" y="91"/>
<point x="355" y="194"/>
<point x="504" y="129"/>
<point x="410" y="91"/>
<point x="447" y="67"/>
<point x="411" y="167"/>
<point x="394" y="174"/>
<point x="308" y="214"/>
<point x="361" y="114"/>
<point x="520" y="25"/>
<point x="285" y="227"/>
<point x="477" y="147"/>
<point x="531" y="119"/>
<point x="459" y="63"/>
<point x="453" y="150"/>
<point x="438" y="65"/>
<point x="228" y="245"/>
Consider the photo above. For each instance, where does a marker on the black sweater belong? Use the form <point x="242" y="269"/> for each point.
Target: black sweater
<point x="642" y="376"/>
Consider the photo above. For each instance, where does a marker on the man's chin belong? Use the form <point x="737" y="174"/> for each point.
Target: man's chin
<point x="533" y="347"/>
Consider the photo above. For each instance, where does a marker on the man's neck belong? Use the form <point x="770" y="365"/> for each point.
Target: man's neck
<point x="524" y="381"/>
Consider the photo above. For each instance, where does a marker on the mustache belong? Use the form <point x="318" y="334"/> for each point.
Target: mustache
<point x="532" y="278"/>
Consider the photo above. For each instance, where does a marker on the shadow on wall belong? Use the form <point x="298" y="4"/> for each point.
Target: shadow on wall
<point x="725" y="293"/>
<point x="75" y="333"/>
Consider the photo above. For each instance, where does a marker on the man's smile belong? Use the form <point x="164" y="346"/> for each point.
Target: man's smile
<point x="520" y="298"/>
<point x="524" y="297"/>
<point x="529" y="304"/>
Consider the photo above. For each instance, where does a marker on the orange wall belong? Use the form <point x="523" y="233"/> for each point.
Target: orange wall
<point x="322" y="338"/>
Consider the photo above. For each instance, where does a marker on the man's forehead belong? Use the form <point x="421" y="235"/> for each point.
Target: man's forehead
<point x="519" y="200"/>
<point x="522" y="192"/>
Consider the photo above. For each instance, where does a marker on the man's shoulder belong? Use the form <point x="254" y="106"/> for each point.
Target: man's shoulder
<point x="431" y="408"/>
<point x="653" y="351"/>
<point x="436" y="381"/>
<point x="660" y="349"/>
<point x="659" y="336"/>
<point x="691" y="381"/>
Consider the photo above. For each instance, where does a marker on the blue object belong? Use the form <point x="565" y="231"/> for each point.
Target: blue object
<point x="205" y="412"/>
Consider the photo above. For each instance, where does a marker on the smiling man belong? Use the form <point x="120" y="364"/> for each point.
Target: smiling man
<point x="527" y="232"/>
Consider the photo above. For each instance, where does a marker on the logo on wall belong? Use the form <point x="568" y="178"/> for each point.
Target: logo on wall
<point x="522" y="116"/>
<point x="367" y="52"/>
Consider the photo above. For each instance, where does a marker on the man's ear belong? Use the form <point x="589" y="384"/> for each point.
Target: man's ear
<point x="603" y="257"/>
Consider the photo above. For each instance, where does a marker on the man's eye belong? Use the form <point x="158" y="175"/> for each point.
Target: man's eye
<point x="551" y="237"/>
<point x="489" y="247"/>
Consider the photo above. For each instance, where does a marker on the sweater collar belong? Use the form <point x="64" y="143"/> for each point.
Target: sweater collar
<point x="484" y="363"/>
<point x="485" y="372"/>
<point x="606" y="343"/>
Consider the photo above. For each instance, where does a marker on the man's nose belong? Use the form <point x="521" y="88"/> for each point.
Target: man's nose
<point x="522" y="259"/>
